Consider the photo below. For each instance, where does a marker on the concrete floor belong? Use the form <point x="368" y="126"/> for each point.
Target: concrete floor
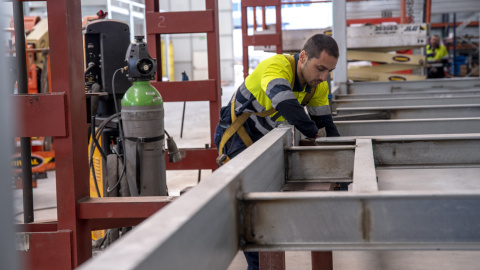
<point x="196" y="134"/>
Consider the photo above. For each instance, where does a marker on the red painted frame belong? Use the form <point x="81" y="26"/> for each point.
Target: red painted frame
<point x="62" y="114"/>
<point x="263" y="39"/>
<point x="206" y="90"/>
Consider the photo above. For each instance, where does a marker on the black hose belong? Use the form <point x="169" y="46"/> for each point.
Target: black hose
<point x="120" y="132"/>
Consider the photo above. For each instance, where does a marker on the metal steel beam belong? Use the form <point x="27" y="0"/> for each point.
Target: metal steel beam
<point x="409" y="112"/>
<point x="409" y="127"/>
<point x="419" y="151"/>
<point x="424" y="153"/>
<point x="205" y="220"/>
<point x="336" y="164"/>
<point x="349" y="221"/>
<point x="364" y="175"/>
<point x="433" y="93"/>
<point x="427" y="85"/>
<point x="233" y="208"/>
<point x="410" y="101"/>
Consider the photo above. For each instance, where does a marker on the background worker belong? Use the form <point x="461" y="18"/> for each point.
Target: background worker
<point x="437" y="57"/>
<point x="280" y="87"/>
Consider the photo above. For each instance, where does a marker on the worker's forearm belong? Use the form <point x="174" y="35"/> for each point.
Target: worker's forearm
<point x="295" y="115"/>
<point x="326" y="121"/>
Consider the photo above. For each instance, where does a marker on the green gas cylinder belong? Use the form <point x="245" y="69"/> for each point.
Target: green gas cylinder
<point x="144" y="135"/>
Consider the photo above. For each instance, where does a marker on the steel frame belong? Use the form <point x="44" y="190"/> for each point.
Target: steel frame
<point x="410" y="86"/>
<point x="408" y="108"/>
<point x="158" y="23"/>
<point x="240" y="206"/>
<point x="406" y="101"/>
<point x="408" y="112"/>
<point x="67" y="104"/>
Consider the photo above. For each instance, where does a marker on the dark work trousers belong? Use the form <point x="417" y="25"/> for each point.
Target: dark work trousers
<point x="232" y="148"/>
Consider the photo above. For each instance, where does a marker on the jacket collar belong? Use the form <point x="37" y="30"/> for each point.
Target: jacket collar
<point x="296" y="86"/>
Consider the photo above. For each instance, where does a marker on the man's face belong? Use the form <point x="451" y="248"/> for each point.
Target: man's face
<point x="435" y="41"/>
<point x="315" y="70"/>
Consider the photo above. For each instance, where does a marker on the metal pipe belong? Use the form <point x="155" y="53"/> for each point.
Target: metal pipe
<point x="26" y="152"/>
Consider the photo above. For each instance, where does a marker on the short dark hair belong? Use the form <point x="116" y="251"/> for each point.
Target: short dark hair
<point x="318" y="43"/>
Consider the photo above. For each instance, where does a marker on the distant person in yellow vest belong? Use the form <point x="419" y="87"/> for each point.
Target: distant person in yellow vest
<point x="437" y="57"/>
<point x="279" y="89"/>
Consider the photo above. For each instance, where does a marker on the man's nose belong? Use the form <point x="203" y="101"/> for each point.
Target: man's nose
<point x="324" y="75"/>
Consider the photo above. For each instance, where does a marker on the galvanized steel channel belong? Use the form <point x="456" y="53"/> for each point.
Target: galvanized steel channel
<point x="408" y="112"/>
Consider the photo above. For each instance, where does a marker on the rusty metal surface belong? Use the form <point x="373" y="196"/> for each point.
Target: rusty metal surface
<point x="44" y="113"/>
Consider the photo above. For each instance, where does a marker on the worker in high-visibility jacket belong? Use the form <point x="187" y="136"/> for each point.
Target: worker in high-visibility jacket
<point x="277" y="90"/>
<point x="437" y="57"/>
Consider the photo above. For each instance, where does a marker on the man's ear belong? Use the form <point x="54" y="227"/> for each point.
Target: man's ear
<point x="303" y="57"/>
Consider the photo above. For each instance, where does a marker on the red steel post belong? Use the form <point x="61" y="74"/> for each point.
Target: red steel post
<point x="71" y="159"/>
<point x="213" y="49"/>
